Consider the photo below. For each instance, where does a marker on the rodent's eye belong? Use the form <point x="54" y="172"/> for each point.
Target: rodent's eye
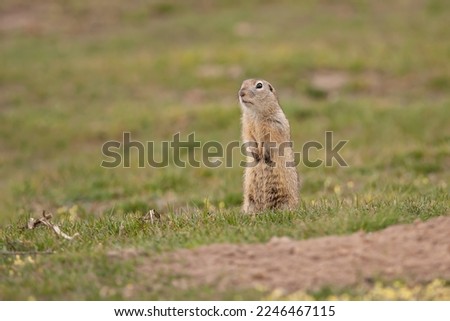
<point x="259" y="85"/>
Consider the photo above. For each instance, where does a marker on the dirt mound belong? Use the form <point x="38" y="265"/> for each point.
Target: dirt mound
<point x="416" y="252"/>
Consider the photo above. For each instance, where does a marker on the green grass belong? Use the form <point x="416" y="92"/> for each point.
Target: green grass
<point x="155" y="69"/>
<point x="83" y="268"/>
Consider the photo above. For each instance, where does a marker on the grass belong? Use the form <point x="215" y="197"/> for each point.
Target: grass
<point x="436" y="290"/>
<point x="153" y="70"/>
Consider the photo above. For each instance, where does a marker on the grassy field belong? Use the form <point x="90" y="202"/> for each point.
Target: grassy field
<point x="74" y="75"/>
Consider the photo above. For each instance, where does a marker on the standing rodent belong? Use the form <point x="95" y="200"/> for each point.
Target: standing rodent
<point x="270" y="178"/>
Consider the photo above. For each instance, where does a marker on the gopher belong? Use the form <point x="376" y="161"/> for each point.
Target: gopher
<point x="271" y="180"/>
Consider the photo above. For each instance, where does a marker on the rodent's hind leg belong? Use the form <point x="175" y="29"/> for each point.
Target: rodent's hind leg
<point x="249" y="206"/>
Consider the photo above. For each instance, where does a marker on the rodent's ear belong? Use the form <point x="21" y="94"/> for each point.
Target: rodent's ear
<point x="272" y="89"/>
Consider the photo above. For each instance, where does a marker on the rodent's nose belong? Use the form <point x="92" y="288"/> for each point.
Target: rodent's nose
<point x="242" y="93"/>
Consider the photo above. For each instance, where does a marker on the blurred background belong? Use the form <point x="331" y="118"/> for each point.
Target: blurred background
<point x="75" y="74"/>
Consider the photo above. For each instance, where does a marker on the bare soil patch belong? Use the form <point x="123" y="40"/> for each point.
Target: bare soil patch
<point x="417" y="252"/>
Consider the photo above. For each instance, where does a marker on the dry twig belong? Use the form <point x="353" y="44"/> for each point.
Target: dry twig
<point x="149" y="216"/>
<point x="45" y="220"/>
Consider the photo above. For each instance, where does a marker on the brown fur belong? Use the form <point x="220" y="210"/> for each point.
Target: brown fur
<point x="269" y="184"/>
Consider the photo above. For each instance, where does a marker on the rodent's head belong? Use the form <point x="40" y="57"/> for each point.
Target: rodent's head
<point x="256" y="94"/>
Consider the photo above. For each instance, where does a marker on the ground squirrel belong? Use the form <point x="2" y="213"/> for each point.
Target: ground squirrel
<point x="270" y="177"/>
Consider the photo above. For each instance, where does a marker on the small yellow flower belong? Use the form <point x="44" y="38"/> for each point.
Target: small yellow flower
<point x="276" y="294"/>
<point x="73" y="213"/>
<point x="62" y="209"/>
<point x="368" y="197"/>
<point x="18" y="261"/>
<point x="337" y="189"/>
